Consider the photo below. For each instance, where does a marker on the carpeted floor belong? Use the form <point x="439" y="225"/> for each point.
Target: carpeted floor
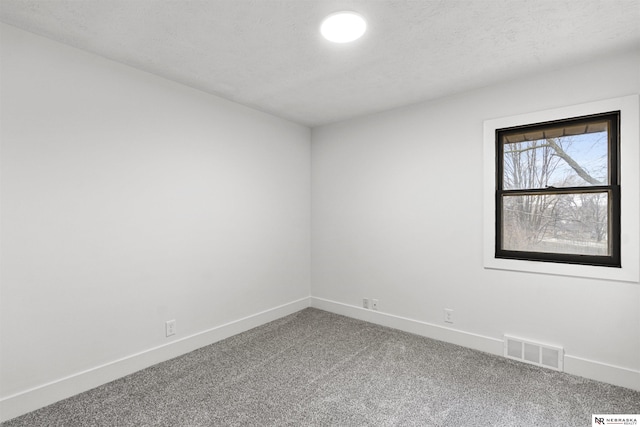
<point x="315" y="368"/>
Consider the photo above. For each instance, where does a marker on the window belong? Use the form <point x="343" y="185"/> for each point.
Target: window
<point x="557" y="192"/>
<point x="628" y="175"/>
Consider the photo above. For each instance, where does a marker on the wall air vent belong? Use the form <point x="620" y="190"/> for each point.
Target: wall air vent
<point x="545" y="355"/>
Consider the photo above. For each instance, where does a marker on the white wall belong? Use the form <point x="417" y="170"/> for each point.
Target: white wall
<point x="397" y="202"/>
<point x="129" y="200"/>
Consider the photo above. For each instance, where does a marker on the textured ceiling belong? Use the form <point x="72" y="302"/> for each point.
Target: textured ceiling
<point x="268" y="54"/>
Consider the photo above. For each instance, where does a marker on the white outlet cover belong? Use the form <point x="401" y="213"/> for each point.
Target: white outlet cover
<point x="170" y="327"/>
<point x="448" y="315"/>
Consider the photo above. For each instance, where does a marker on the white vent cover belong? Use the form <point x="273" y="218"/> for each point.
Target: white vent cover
<point x="544" y="355"/>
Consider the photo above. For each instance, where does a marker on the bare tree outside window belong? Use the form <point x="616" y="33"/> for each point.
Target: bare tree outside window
<point x="558" y="198"/>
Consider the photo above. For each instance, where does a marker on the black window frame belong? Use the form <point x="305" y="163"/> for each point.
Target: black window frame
<point x="612" y="187"/>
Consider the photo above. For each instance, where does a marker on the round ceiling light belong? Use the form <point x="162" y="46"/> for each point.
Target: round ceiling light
<point x="343" y="27"/>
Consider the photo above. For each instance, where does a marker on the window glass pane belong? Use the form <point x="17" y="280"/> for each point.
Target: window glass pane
<point x="556" y="223"/>
<point x="567" y="156"/>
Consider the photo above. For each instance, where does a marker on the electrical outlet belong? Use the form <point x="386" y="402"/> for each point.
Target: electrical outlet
<point x="365" y="303"/>
<point x="374" y="304"/>
<point x="448" y="315"/>
<point x="170" y="327"/>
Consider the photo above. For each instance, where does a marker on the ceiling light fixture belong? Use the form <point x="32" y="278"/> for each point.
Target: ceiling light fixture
<point x="343" y="27"/>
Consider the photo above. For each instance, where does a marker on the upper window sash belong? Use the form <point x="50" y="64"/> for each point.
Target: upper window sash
<point x="596" y="133"/>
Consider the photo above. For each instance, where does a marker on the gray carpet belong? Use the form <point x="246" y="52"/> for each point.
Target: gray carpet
<point x="315" y="368"/>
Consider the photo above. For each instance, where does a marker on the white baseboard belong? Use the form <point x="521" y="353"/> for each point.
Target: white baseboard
<point x="574" y="365"/>
<point x="429" y="330"/>
<point x="46" y="394"/>
<point x="604" y="372"/>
